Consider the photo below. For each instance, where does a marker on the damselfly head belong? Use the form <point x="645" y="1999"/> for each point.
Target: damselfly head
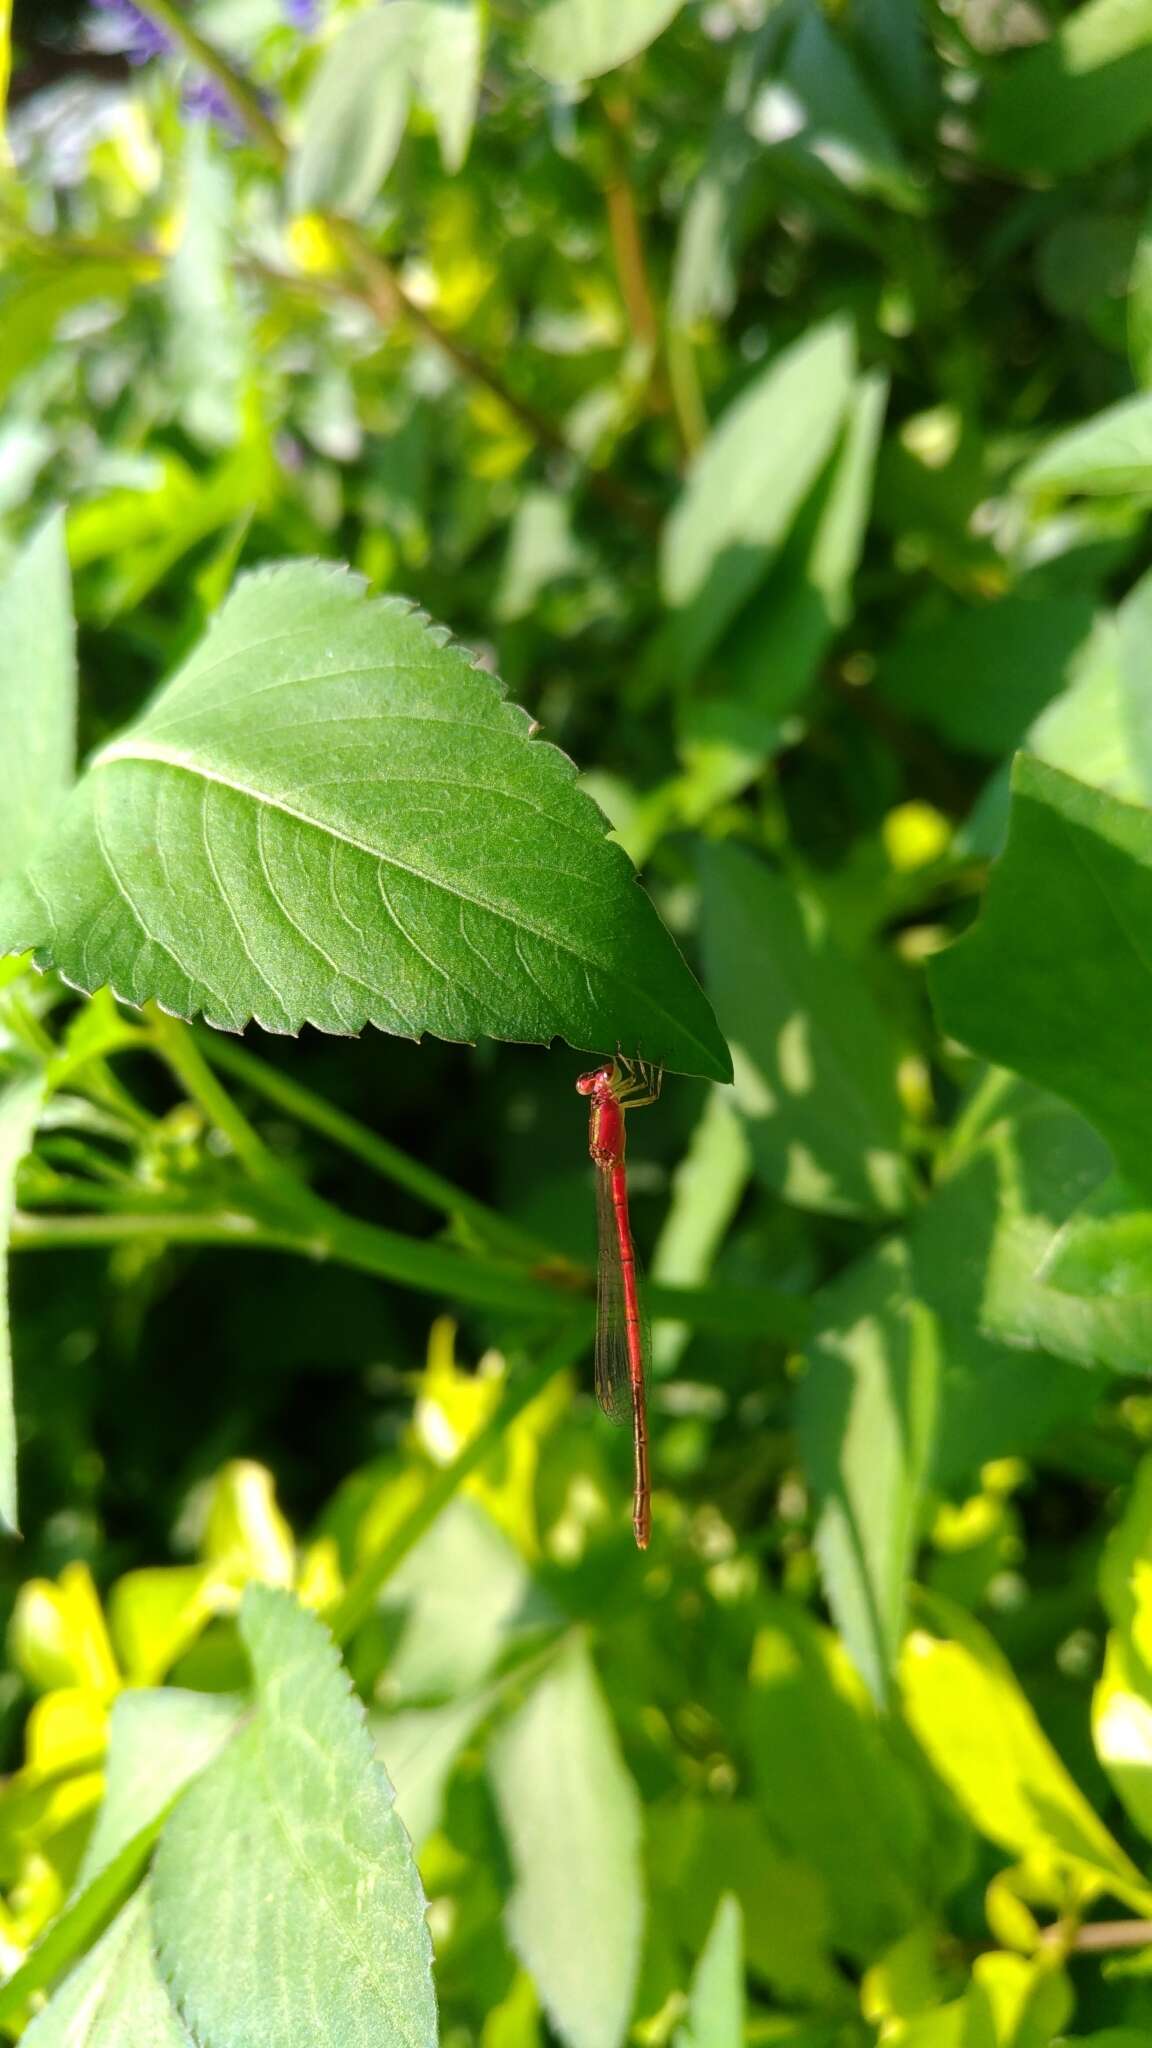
<point x="589" y="1083"/>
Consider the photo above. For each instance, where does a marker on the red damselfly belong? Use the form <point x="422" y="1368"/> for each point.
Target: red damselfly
<point x="622" y="1346"/>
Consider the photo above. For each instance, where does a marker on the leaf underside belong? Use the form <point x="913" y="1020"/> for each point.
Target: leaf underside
<point x="331" y="816"/>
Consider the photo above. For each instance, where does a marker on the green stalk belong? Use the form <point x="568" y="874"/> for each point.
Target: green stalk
<point x="180" y="1052"/>
<point x="365" y="1145"/>
<point x="245" y="100"/>
<point x="313" y="1229"/>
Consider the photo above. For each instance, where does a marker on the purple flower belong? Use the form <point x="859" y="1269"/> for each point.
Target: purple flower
<point x="204" y="100"/>
<point x="145" y="38"/>
<point x="302" y="14"/>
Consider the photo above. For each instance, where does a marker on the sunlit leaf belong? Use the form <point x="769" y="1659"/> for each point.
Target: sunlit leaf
<point x="85" y="1916"/>
<point x="357" y="106"/>
<point x="573" y="1832"/>
<point x="726" y="525"/>
<point x="292" y="1834"/>
<point x="1122" y="1727"/>
<point x="716" y="1998"/>
<point x="977" y="1726"/>
<point x="158" y="1742"/>
<point x="570" y="40"/>
<point x="1056" y="962"/>
<point x="1011" y="2002"/>
<point x="815" y="1059"/>
<point x="116" y="1997"/>
<point x="836" y="1788"/>
<point x="866" y="1419"/>
<point x="1108" y="454"/>
<point x="418" y="1748"/>
<point x="37" y="692"/>
<point x="331" y="815"/>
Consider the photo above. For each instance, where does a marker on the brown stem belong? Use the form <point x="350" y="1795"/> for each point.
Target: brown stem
<point x="1103" y="1936"/>
<point x="627" y="238"/>
<point x="625" y="231"/>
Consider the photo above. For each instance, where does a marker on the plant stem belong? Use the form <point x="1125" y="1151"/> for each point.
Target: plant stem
<point x="1100" y="1937"/>
<point x="313" y="1229"/>
<point x="36" y="1230"/>
<point x="624" y="228"/>
<point x="375" y="1152"/>
<point x="180" y="1052"/>
<point x="671" y="390"/>
<point x="684" y="384"/>
<point x="360" y="1595"/>
<point x="245" y="100"/>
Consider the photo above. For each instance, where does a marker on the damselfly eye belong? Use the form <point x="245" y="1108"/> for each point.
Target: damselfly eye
<point x="588" y="1083"/>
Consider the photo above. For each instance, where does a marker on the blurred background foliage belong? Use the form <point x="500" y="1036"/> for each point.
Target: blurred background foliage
<point x="765" y="392"/>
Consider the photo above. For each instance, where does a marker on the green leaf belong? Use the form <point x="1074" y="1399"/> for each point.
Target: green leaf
<point x="866" y="1418"/>
<point x="982" y="1248"/>
<point x="1122" y="1729"/>
<point x="21" y="1101"/>
<point x="465" y="1590"/>
<point x="773" y="652"/>
<point x="723" y="203"/>
<point x="699" y="1848"/>
<point x="821" y="110"/>
<point x="37" y="692"/>
<point x="570" y="40"/>
<point x="707" y="1188"/>
<point x="726" y="525"/>
<point x="1079" y="98"/>
<point x="837" y="1787"/>
<point x="418" y="1748"/>
<point x="571" y="1816"/>
<point x="354" y="114"/>
<point x="330" y="815"/>
<point x="1057" y="962"/>
<point x="115" y="1998"/>
<point x="86" y="1915"/>
<point x="158" y="1742"/>
<point x="979" y="675"/>
<point x="292" y="1836"/>
<point x="357" y="106"/>
<point x="1100" y="728"/>
<point x="980" y="1733"/>
<point x="208" y="339"/>
<point x="815" y="1062"/>
<point x="35" y="301"/>
<point x="1108" y="455"/>
<point x="716" y="2000"/>
<point x="1129" y="1544"/>
<point x="136" y="535"/>
<point x="1011" y="2002"/>
<point x="449" y="60"/>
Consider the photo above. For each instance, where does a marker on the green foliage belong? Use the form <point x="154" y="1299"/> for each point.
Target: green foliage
<point x="292" y="1833"/>
<point x="255" y="778"/>
<point x="762" y="391"/>
<point x="573" y="1836"/>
